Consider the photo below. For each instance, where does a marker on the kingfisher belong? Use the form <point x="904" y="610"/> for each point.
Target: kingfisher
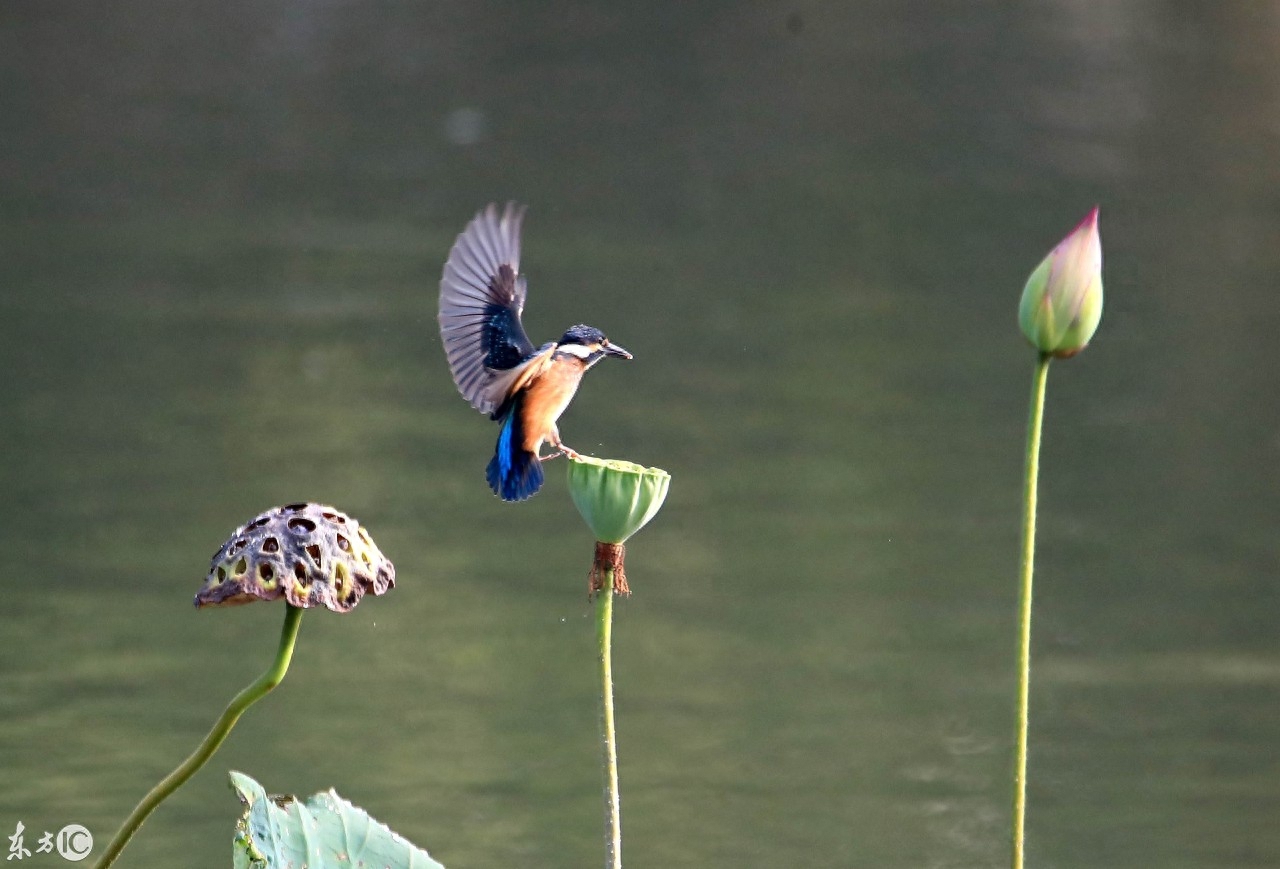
<point x="493" y="362"/>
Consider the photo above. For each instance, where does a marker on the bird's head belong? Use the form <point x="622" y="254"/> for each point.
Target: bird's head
<point x="589" y="344"/>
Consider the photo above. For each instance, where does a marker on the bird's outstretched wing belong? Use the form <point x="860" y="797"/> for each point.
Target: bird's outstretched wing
<point x="481" y="298"/>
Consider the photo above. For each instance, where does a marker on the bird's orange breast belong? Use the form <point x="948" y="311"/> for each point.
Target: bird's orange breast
<point x="547" y="397"/>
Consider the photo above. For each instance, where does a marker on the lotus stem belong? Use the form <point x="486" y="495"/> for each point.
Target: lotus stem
<point x="608" y="737"/>
<point x="174" y="780"/>
<point x="1034" y="425"/>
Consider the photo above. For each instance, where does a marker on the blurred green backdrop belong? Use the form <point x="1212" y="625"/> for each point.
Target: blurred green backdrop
<point x="222" y="227"/>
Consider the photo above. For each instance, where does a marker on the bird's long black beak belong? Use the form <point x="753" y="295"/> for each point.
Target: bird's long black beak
<point x="615" y="350"/>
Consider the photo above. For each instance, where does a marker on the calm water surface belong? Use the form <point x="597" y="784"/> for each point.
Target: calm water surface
<point x="222" y="227"/>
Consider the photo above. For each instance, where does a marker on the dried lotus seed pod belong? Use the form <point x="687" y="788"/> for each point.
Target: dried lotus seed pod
<point x="309" y="554"/>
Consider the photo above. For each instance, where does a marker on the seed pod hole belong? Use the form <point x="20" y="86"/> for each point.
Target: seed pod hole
<point x="271" y="545"/>
<point x="302" y="526"/>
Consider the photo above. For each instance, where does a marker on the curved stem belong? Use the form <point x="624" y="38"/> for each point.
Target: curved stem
<point x="608" y="738"/>
<point x="174" y="780"/>
<point x="1034" y="425"/>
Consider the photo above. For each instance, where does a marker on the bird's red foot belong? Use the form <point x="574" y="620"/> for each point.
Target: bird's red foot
<point x="561" y="450"/>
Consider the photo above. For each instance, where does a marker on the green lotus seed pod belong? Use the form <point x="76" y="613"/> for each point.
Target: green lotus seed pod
<point x="1062" y="301"/>
<point x="616" y="498"/>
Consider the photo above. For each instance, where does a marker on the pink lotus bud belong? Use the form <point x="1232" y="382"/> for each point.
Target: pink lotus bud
<point x="1062" y="302"/>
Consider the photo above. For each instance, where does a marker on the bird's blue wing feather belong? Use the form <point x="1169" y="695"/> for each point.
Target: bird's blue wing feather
<point x="481" y="300"/>
<point x="502" y="338"/>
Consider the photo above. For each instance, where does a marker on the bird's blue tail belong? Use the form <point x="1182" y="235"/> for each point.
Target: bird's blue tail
<point x="513" y="473"/>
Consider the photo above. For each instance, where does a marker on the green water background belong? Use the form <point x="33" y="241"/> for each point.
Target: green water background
<point x="221" y="231"/>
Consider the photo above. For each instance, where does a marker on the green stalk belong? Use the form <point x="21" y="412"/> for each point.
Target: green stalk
<point x="174" y="780"/>
<point x="1034" y="426"/>
<point x="608" y="738"/>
